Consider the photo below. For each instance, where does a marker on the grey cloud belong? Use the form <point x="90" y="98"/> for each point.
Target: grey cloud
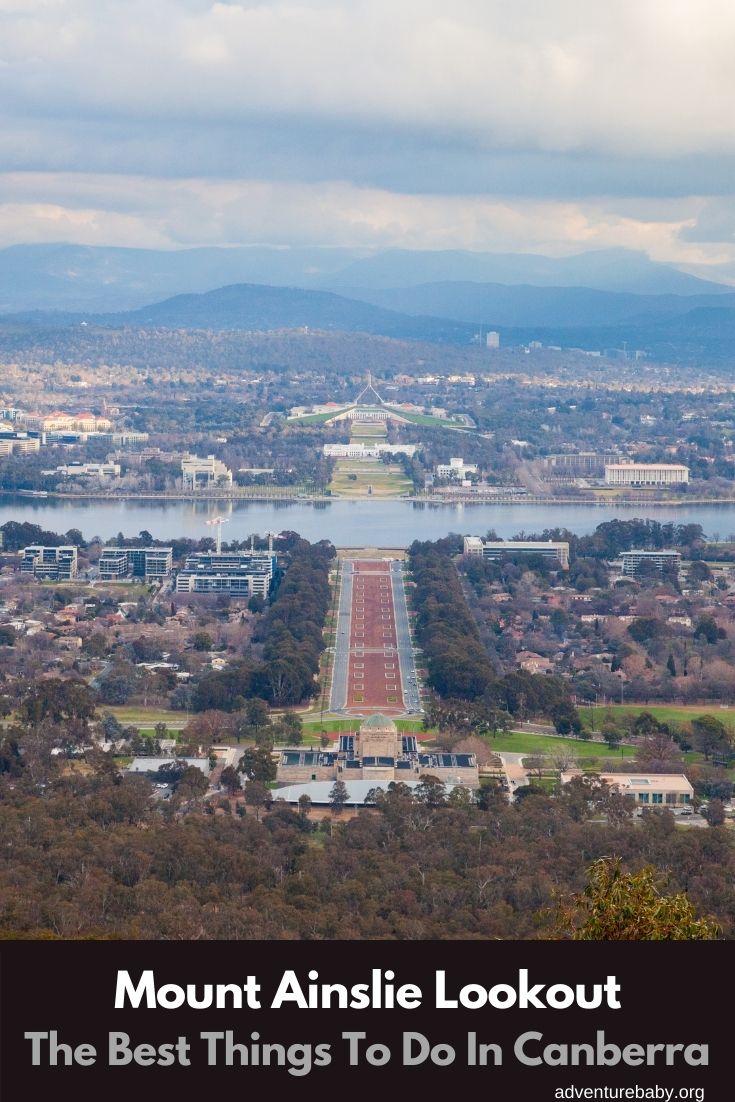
<point x="420" y="123"/>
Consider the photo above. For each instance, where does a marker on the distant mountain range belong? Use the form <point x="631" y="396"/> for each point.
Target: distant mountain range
<point x="86" y="278"/>
<point x="674" y="328"/>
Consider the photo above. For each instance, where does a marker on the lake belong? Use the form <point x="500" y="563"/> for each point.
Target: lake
<point x="345" y="523"/>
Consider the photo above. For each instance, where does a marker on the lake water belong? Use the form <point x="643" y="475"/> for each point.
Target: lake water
<point x="346" y="523"/>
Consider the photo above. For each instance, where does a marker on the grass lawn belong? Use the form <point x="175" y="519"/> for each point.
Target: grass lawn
<point x="368" y="428"/>
<point x="426" y="419"/>
<point x="665" y="713"/>
<point x="311" y="418"/>
<point x="521" y="742"/>
<point x="144" y="717"/>
<point x="386" y="480"/>
<point x="313" y="726"/>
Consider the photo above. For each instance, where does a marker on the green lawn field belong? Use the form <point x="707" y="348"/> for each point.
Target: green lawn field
<point x="386" y="481"/>
<point x="522" y="742"/>
<point x="145" y="717"/>
<point x="665" y="713"/>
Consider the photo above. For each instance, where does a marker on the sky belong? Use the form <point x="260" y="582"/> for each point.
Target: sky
<point x="551" y="126"/>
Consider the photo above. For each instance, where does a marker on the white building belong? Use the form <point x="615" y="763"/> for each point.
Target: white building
<point x="456" y="468"/>
<point x="240" y="573"/>
<point x="646" y="474"/>
<point x="198" y="473"/>
<point x="88" y="470"/>
<point x="647" y="789"/>
<point x="662" y="560"/>
<point x="50" y="563"/>
<point x="492" y="340"/>
<point x="367" y="451"/>
<point x="116" y="563"/>
<point x="495" y="549"/>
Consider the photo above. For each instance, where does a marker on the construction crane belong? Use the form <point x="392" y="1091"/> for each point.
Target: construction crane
<point x="219" y="521"/>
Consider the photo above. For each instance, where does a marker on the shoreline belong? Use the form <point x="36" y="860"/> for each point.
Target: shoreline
<point x="321" y="499"/>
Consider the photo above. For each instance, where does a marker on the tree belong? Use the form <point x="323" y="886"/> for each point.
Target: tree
<point x="258" y="765"/>
<point x="671" y="665"/>
<point x="338" y="797"/>
<point x="291" y="729"/>
<point x="710" y="737"/>
<point x="257" y="795"/>
<point x="708" y="631"/>
<point x="59" y="700"/>
<point x="203" y="641"/>
<point x="714" y="813"/>
<point x="304" y="804"/>
<point x="230" y="779"/>
<point x="618" y="906"/>
<point x="430" y="791"/>
<point x="612" y="735"/>
<point x="116" y="689"/>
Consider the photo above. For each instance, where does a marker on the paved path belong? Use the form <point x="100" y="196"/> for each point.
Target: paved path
<point x="374" y="667"/>
<point x="515" y="774"/>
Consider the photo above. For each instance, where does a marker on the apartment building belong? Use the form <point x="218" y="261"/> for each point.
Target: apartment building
<point x="49" y="563"/>
<point x="240" y="573"/>
<point x="119" y="563"/>
<point x="663" y="561"/>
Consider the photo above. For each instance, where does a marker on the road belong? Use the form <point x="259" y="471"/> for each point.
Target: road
<point x="407" y="664"/>
<point x="341" y="665"/>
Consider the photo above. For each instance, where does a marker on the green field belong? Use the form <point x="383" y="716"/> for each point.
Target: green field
<point x="665" y="713"/>
<point x="386" y="480"/>
<point x="311" y="419"/>
<point x="521" y="742"/>
<point x="368" y="428"/>
<point x="145" y="717"/>
<point x="312" y="726"/>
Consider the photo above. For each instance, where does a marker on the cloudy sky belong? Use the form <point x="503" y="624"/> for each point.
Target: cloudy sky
<point x="550" y="126"/>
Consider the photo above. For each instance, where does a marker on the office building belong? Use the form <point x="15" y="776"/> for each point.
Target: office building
<point x="199" y="474"/>
<point x="87" y="470"/>
<point x="456" y="469"/>
<point x="581" y="462"/>
<point x="367" y="451"/>
<point x="49" y="563"/>
<point x="646" y="474"/>
<point x="672" y="790"/>
<point x="663" y="561"/>
<point x="240" y="573"/>
<point x="496" y="549"/>
<point x="18" y="443"/>
<point x="118" y="563"/>
<point x="492" y="340"/>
